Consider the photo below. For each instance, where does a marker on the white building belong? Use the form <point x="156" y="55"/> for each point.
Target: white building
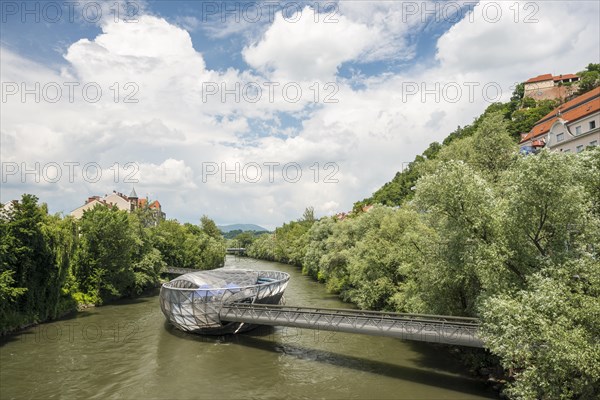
<point x="122" y="202"/>
<point x="549" y="87"/>
<point x="571" y="127"/>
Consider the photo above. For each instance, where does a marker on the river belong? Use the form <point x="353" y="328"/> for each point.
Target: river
<point x="127" y="351"/>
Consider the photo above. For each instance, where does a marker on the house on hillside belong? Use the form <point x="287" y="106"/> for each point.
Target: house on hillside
<point x="549" y="87"/>
<point x="126" y="203"/>
<point x="570" y="127"/>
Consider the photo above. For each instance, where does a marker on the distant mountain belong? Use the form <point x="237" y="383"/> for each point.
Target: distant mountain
<point x="241" y="227"/>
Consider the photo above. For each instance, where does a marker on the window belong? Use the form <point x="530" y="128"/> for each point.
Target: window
<point x="594" y="143"/>
<point x="580" y="148"/>
<point x="578" y="130"/>
<point x="592" y="125"/>
<point x="560" y="137"/>
<point x="566" y="151"/>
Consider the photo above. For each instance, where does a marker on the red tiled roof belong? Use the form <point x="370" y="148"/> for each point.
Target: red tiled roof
<point x="540" y="78"/>
<point x="572" y="110"/>
<point x="567" y="76"/>
<point x="154" y="204"/>
<point x="549" y="77"/>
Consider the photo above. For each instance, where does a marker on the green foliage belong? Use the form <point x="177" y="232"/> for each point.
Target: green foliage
<point x="35" y="251"/>
<point x="49" y="264"/>
<point x="147" y="216"/>
<point x="8" y="291"/>
<point x="547" y="334"/>
<point x="524" y="118"/>
<point x="147" y="270"/>
<point x="188" y="246"/>
<point x="493" y="148"/>
<point x="287" y="244"/>
<point x="458" y="204"/>
<point x="263" y="247"/>
<point x="550" y="218"/>
<point x="309" y="215"/>
<point x="590" y="171"/>
<point x="510" y="239"/>
<point x="589" y="79"/>
<point x="102" y="261"/>
<point x="243" y="239"/>
<point x="317" y="247"/>
<point x="210" y="228"/>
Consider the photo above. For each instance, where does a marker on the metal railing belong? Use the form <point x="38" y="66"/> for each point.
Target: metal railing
<point x="428" y="328"/>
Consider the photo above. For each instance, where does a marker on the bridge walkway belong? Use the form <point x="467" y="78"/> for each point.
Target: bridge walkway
<point x="427" y="328"/>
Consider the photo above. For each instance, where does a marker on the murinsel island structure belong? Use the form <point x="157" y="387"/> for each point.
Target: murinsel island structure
<point x="224" y="300"/>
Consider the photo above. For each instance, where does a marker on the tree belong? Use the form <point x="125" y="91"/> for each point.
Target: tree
<point x="458" y="204"/>
<point x="493" y="149"/>
<point x="35" y="251"/>
<point x="589" y="79"/>
<point x="244" y="239"/>
<point x="545" y="211"/>
<point x="188" y="245"/>
<point x="147" y="261"/>
<point x="316" y="247"/>
<point x="210" y="228"/>
<point x="589" y="170"/>
<point x="547" y="333"/>
<point x="309" y="215"/>
<point x="524" y="119"/>
<point x="168" y="238"/>
<point x="8" y="291"/>
<point x="103" y="260"/>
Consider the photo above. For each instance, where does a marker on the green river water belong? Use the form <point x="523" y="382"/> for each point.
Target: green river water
<point x="128" y="351"/>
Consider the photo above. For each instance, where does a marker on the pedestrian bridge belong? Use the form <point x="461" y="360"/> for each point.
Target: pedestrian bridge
<point x="426" y="328"/>
<point x="235" y="250"/>
<point x="460" y="331"/>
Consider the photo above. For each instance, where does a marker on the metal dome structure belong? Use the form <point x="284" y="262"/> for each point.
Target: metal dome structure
<point x="192" y="302"/>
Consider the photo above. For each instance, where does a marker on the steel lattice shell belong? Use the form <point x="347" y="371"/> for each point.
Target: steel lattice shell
<point x="192" y="302"/>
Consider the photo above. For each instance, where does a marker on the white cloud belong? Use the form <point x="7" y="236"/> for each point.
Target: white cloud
<point x="308" y="50"/>
<point x="170" y="175"/>
<point x="529" y="38"/>
<point x="171" y="133"/>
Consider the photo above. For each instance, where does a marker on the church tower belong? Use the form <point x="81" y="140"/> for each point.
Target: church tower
<point x="133" y="200"/>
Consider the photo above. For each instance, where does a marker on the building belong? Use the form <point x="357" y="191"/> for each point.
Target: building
<point x="549" y="87"/>
<point x="126" y="203"/>
<point x="7" y="209"/>
<point x="570" y="127"/>
<point x="156" y="211"/>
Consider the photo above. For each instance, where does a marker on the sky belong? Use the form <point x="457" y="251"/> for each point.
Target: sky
<point x="249" y="112"/>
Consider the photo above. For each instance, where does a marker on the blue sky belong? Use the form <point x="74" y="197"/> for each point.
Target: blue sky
<point x="370" y="81"/>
